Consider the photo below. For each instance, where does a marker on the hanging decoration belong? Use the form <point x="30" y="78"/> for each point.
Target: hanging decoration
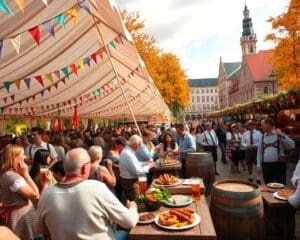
<point x="4" y="7"/>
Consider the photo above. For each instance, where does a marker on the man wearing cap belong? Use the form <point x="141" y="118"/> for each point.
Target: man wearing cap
<point x="210" y="142"/>
<point x="250" y="141"/>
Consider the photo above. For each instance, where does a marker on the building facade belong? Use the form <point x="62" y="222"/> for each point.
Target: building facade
<point x="204" y="98"/>
<point x="253" y="77"/>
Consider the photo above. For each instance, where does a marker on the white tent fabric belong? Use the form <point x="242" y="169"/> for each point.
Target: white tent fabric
<point x="95" y="91"/>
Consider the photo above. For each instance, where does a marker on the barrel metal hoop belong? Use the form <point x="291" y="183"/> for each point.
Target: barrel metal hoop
<point x="199" y="163"/>
<point x="239" y="210"/>
<point x="238" y="195"/>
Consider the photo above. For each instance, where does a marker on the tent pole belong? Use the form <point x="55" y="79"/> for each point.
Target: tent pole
<point x="101" y="40"/>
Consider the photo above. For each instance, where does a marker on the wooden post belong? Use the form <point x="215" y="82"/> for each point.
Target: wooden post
<point x="101" y="40"/>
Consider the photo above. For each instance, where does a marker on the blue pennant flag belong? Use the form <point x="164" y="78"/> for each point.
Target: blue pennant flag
<point x="65" y="71"/>
<point x="87" y="61"/>
<point x="86" y="6"/>
<point x="49" y="27"/>
<point x="5" y="8"/>
<point x="7" y="85"/>
<point x="60" y="19"/>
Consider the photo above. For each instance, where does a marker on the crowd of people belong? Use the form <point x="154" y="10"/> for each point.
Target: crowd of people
<point x="91" y="176"/>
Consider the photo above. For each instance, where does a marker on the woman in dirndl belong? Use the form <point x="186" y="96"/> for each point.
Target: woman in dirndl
<point x="16" y="190"/>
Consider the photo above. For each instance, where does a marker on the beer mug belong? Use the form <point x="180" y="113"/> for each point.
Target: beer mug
<point x="142" y="180"/>
<point x="195" y="188"/>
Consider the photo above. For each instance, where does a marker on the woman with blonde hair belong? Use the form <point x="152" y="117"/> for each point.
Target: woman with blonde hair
<point x="17" y="189"/>
<point x="99" y="172"/>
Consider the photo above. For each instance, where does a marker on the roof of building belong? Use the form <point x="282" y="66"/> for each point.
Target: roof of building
<point x="203" y="82"/>
<point x="259" y="65"/>
<point x="232" y="68"/>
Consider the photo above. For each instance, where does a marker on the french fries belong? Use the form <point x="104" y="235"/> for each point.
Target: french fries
<point x="169" y="160"/>
<point x="166" y="179"/>
<point x="178" y="217"/>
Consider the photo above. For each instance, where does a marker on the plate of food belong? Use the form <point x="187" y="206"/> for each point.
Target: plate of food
<point x="275" y="185"/>
<point x="177" y="219"/>
<point x="283" y="194"/>
<point x="170" y="161"/>
<point x="166" y="180"/>
<point x="179" y="201"/>
<point x="146" y="217"/>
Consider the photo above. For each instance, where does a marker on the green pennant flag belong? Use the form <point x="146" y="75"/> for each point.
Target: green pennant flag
<point x="65" y="71"/>
<point x="112" y="43"/>
<point x="5" y="8"/>
<point x="60" y="19"/>
<point x="7" y="85"/>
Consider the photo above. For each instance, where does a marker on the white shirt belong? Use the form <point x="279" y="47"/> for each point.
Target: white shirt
<point x="209" y="139"/>
<point x="246" y="138"/>
<point x="129" y="165"/>
<point x="33" y="148"/>
<point x="81" y="211"/>
<point x="294" y="200"/>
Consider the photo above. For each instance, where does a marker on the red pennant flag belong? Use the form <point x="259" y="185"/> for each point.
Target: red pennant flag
<point x="56" y="124"/>
<point x="31" y="109"/>
<point x="100" y="53"/>
<point x="117" y="40"/>
<point x="35" y="33"/>
<point x="63" y="81"/>
<point x="74" y="69"/>
<point x="40" y="80"/>
<point x="94" y="57"/>
<point x="56" y="85"/>
<point x="49" y="89"/>
<point x="21" y="109"/>
<point x="48" y="107"/>
<point x="33" y="97"/>
<point x="57" y="105"/>
<point x="137" y="69"/>
<point x="69" y="102"/>
<point x="75" y="118"/>
<point x="64" y="110"/>
<point x="10" y="110"/>
<point x="5" y="99"/>
<point x="12" y="97"/>
<point x="80" y="98"/>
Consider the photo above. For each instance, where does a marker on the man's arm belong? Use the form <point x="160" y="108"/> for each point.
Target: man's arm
<point x="243" y="141"/>
<point x="259" y="153"/>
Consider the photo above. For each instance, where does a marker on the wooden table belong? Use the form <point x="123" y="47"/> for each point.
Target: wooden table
<point x="184" y="189"/>
<point x="203" y="231"/>
<point x="172" y="169"/>
<point x="281" y="213"/>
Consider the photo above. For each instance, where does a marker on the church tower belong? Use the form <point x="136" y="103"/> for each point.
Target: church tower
<point x="248" y="39"/>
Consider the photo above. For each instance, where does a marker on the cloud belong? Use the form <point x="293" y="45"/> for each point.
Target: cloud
<point x="200" y="31"/>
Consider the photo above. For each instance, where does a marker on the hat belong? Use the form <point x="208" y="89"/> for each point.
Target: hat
<point x="233" y="125"/>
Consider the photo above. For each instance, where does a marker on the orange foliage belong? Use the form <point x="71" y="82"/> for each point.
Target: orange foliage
<point x="163" y="67"/>
<point x="286" y="59"/>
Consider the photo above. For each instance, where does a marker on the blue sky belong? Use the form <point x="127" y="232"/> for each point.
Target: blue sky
<point x="200" y="31"/>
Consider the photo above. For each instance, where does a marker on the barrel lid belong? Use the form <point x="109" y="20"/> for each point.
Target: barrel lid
<point x="199" y="153"/>
<point x="235" y="187"/>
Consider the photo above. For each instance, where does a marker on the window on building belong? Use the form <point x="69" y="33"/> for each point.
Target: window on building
<point x="193" y="99"/>
<point x="207" y="90"/>
<point x="197" y="91"/>
<point x="203" y="99"/>
<point x="216" y="90"/>
<point x="266" y="90"/>
<point x="204" y="107"/>
<point x="207" y="98"/>
<point x="211" y="90"/>
<point x="198" y="99"/>
<point x="211" y="98"/>
<point x="202" y="91"/>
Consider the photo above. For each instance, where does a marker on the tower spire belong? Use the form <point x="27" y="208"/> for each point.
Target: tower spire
<point x="248" y="39"/>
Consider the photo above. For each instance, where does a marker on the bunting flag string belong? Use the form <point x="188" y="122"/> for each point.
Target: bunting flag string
<point x="48" y="25"/>
<point x="73" y="67"/>
<point x="102" y="91"/>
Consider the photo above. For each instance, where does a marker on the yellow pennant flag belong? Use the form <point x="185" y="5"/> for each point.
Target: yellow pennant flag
<point x="21" y="4"/>
<point x="18" y="84"/>
<point x="49" y="76"/>
<point x="16" y="42"/>
<point x="81" y="64"/>
<point x="73" y="14"/>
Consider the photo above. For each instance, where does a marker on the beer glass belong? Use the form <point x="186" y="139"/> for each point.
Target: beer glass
<point x="195" y="188"/>
<point x="142" y="180"/>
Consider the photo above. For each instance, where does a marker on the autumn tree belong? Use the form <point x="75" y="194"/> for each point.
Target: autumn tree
<point x="286" y="59"/>
<point x="163" y="67"/>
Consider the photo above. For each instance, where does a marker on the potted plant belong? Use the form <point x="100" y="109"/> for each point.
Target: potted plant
<point x="153" y="198"/>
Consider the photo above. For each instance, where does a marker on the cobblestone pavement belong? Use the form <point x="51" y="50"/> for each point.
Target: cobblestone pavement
<point x="224" y="170"/>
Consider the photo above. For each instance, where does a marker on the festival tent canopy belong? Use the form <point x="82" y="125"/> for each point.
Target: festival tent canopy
<point x="58" y="56"/>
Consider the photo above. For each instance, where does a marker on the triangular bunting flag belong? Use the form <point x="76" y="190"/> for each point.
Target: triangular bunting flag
<point x="21" y="4"/>
<point x="65" y="70"/>
<point x="16" y="42"/>
<point x="100" y="53"/>
<point x="7" y="85"/>
<point x="63" y="81"/>
<point x="35" y="33"/>
<point x="74" y="69"/>
<point x="87" y="61"/>
<point x="56" y="85"/>
<point x="5" y="100"/>
<point x="5" y="8"/>
<point x="18" y="84"/>
<point x="120" y="38"/>
<point x="112" y="43"/>
<point x="21" y="110"/>
<point x="60" y="19"/>
<point x="94" y="57"/>
<point x="57" y="73"/>
<point x="45" y="2"/>
<point x="1" y="47"/>
<point x="42" y="93"/>
<point x="73" y="14"/>
<point x="117" y="40"/>
<point x="40" y="80"/>
<point x="12" y="97"/>
<point x="86" y="6"/>
<point x="81" y="64"/>
<point x="33" y="97"/>
<point x="49" y="76"/>
<point x="49" y="27"/>
<point x="1" y="110"/>
<point x="49" y="89"/>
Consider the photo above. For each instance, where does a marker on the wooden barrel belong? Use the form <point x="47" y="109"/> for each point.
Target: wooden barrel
<point x="201" y="164"/>
<point x="237" y="210"/>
